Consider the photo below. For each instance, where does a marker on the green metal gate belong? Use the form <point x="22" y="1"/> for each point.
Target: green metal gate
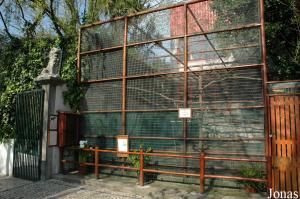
<point x="27" y="147"/>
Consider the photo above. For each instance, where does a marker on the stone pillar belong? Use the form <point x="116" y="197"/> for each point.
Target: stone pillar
<point x="53" y="102"/>
<point x="54" y="87"/>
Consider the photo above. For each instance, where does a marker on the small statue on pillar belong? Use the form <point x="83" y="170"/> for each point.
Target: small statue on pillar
<point x="52" y="69"/>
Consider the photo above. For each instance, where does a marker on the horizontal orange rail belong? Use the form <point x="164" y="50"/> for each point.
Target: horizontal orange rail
<point x="202" y="158"/>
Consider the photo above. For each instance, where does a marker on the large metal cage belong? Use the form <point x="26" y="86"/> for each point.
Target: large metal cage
<point x="207" y="55"/>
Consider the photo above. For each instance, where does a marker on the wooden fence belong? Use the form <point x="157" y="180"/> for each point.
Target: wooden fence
<point x="285" y="141"/>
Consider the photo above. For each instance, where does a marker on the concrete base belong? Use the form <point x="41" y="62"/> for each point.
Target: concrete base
<point x="6" y="158"/>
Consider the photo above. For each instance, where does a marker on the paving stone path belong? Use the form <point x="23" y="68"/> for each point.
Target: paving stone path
<point x="14" y="188"/>
<point x="109" y="188"/>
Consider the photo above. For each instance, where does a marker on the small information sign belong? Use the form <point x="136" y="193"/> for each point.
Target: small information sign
<point x="185" y="113"/>
<point x="122" y="142"/>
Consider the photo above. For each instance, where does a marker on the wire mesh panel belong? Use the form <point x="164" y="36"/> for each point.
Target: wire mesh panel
<point x="102" y="142"/>
<point x="100" y="124"/>
<point x="225" y="89"/>
<point x="103" y="36"/>
<point x="102" y="96"/>
<point x="227" y="124"/>
<point x="102" y="65"/>
<point x="214" y="15"/>
<point x="237" y="148"/>
<point x="159" y="92"/>
<point x="160" y="146"/>
<point x="224" y="50"/>
<point x="166" y="164"/>
<point x="157" y="57"/>
<point x="155" y="25"/>
<point x="154" y="124"/>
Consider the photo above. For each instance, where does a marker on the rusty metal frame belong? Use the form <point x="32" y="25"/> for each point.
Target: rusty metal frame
<point x="123" y="125"/>
<point x="268" y="150"/>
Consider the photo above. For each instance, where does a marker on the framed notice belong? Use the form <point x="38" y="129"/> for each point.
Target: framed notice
<point x="123" y="145"/>
<point x="185" y="113"/>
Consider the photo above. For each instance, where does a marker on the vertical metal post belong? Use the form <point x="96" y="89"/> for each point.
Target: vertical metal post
<point x="141" y="176"/>
<point x="266" y="104"/>
<point x="202" y="172"/>
<point x="123" y="129"/>
<point x="185" y="127"/>
<point x="78" y="57"/>
<point x="96" y="162"/>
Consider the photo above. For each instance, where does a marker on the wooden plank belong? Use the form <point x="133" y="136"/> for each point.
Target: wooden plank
<point x="282" y="123"/>
<point x="294" y="174"/>
<point x="272" y="132"/>
<point x="288" y="125"/>
<point x="282" y="145"/>
<point x="297" y="121"/>
<point x="288" y="182"/>
<point x="277" y="110"/>
<point x="293" y="145"/>
<point x="293" y="124"/>
<point x="277" y="147"/>
<point x="297" y="132"/>
<point x="277" y="175"/>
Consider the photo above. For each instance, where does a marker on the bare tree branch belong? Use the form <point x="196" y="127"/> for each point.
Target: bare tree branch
<point x="22" y="11"/>
<point x="51" y="14"/>
<point x="5" y="25"/>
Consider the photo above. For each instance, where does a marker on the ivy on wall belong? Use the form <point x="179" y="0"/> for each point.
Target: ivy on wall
<point x="21" y="60"/>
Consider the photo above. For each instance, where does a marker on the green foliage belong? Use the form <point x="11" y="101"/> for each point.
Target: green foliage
<point x="113" y="8"/>
<point x="23" y="56"/>
<point x="134" y="160"/>
<point x="84" y="156"/>
<point x="253" y="172"/>
<point x="283" y="38"/>
<point x="21" y="60"/>
<point x="75" y="92"/>
<point x="232" y="14"/>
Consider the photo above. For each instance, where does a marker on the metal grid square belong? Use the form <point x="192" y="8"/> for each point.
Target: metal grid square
<point x="155" y="25"/>
<point x="102" y="65"/>
<point x="102" y="36"/>
<point x="105" y="96"/>
<point x="225" y="89"/>
<point x="224" y="50"/>
<point x="159" y="92"/>
<point x="154" y="124"/>
<point x="100" y="124"/>
<point x="206" y="16"/>
<point x="227" y="124"/>
<point x="157" y="57"/>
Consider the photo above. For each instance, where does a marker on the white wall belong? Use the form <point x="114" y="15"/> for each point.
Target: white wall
<point x="6" y="158"/>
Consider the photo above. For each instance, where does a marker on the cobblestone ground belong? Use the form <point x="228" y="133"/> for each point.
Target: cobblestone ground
<point x="14" y="188"/>
<point x="109" y="188"/>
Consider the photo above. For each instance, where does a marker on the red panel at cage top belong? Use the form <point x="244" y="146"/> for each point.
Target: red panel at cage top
<point x="200" y="12"/>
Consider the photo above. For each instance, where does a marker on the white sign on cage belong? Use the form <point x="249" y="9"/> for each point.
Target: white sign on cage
<point x="122" y="142"/>
<point x="185" y="113"/>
